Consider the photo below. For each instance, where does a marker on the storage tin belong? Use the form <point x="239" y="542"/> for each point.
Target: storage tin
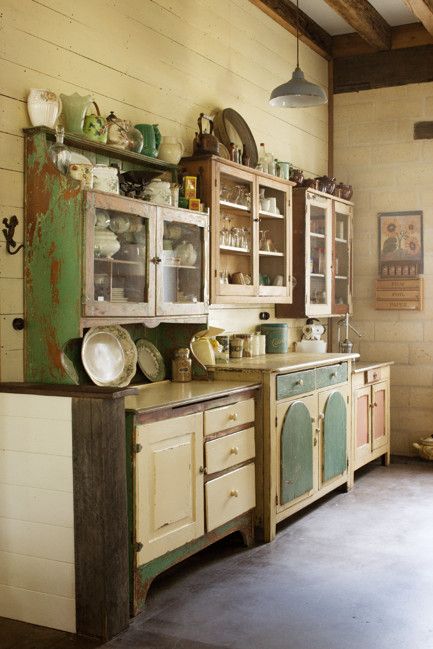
<point x="277" y="337"/>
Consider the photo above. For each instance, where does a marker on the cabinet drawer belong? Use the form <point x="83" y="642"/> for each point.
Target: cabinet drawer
<point x="289" y="385"/>
<point x="228" y="416"/>
<point x="331" y="375"/>
<point x="229" y="496"/>
<point x="225" y="452"/>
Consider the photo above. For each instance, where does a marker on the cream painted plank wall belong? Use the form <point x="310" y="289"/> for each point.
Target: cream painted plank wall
<point x="37" y="572"/>
<point x="390" y="172"/>
<point x="157" y="61"/>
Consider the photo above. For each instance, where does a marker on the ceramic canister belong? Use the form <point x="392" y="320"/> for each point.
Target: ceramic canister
<point x="106" y="179"/>
<point x="277" y="337"/>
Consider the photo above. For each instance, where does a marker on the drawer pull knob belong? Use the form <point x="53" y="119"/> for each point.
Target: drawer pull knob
<point x="300" y="382"/>
<point x="334" y="375"/>
<point x="234" y="492"/>
<point x="234" y="450"/>
<point x="233" y="416"/>
<point x="374" y="376"/>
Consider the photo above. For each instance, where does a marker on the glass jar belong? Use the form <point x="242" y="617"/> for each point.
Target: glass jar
<point x="181" y="366"/>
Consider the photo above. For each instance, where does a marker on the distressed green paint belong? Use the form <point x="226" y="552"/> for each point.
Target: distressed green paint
<point x="148" y="571"/>
<point x="331" y="375"/>
<point x="52" y="264"/>
<point x="289" y="385"/>
<point x="130" y="481"/>
<point x="296" y="469"/>
<point x="334" y="436"/>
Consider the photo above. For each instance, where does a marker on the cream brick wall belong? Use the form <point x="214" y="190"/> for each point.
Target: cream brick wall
<point x="390" y="171"/>
<point x="154" y="61"/>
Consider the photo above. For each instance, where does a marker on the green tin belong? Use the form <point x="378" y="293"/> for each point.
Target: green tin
<point x="277" y="337"/>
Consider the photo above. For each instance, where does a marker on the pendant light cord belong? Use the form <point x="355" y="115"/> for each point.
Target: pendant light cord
<point x="297" y="33"/>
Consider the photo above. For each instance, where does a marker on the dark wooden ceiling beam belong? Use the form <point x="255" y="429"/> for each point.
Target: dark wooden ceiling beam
<point x="423" y="10"/>
<point x="284" y="13"/>
<point x="403" y="36"/>
<point x="365" y="20"/>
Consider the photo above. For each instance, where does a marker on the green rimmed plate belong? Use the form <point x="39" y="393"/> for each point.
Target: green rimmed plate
<point x="150" y="360"/>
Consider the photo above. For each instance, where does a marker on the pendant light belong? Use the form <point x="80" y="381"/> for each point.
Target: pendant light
<point x="297" y="93"/>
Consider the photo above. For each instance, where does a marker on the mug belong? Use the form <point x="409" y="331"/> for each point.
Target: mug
<point x="238" y="278"/>
<point x="273" y="204"/>
<point x="265" y="204"/>
<point x="278" y="280"/>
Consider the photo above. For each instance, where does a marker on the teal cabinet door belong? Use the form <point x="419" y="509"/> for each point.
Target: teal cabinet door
<point x="296" y="457"/>
<point x="334" y="439"/>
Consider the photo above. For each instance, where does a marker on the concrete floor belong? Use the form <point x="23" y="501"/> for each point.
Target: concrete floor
<point x="354" y="572"/>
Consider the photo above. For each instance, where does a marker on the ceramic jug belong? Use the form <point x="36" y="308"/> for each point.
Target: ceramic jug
<point x="43" y="107"/>
<point x="151" y="139"/>
<point x="171" y="149"/>
<point x="74" y="110"/>
<point x="95" y="127"/>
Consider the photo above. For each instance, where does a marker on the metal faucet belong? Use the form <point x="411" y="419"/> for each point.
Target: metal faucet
<point x="345" y="346"/>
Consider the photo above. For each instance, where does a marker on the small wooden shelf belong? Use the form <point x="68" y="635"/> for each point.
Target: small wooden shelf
<point x="271" y="215"/>
<point x="317" y="274"/>
<point x="235" y="206"/>
<point x="341" y="277"/>
<point x="239" y="251"/>
<point x="179" y="266"/>
<point x="317" y="235"/>
<point x="119" y="261"/>
<point x="266" y="253"/>
<point x="338" y="240"/>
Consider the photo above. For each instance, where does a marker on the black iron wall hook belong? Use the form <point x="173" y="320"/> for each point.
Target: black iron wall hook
<point x="9" y="233"/>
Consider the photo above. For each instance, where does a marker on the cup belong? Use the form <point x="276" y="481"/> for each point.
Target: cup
<point x="284" y="170"/>
<point x="278" y="280"/>
<point x="237" y="278"/>
<point x="236" y="347"/>
<point x="248" y="345"/>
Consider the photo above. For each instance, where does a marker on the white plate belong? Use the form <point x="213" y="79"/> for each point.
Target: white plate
<point x="109" y="356"/>
<point x="150" y="361"/>
<point x="78" y="159"/>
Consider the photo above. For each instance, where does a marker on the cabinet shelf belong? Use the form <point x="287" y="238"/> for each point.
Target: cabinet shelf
<point x="110" y="260"/>
<point x="317" y="274"/>
<point x="341" y="277"/>
<point x="338" y="240"/>
<point x="239" y="251"/>
<point x="271" y="215"/>
<point x="235" y="206"/>
<point x="317" y="235"/>
<point x="268" y="253"/>
<point x="179" y="266"/>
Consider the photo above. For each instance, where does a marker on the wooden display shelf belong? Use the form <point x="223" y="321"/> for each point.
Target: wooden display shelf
<point x="272" y="215"/>
<point x="268" y="253"/>
<point x="235" y="206"/>
<point x="239" y="251"/>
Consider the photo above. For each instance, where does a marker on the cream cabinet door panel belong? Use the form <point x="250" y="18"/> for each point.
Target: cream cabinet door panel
<point x="169" y="485"/>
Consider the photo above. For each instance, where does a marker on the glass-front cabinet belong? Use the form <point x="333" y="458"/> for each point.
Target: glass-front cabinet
<point x="143" y="260"/>
<point x="322" y="226"/>
<point x="251" y="229"/>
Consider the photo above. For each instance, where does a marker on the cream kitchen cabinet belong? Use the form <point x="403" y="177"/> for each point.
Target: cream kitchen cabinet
<point x="251" y="231"/>
<point x="322" y="228"/>
<point x="193" y="477"/>
<point x="371" y="414"/>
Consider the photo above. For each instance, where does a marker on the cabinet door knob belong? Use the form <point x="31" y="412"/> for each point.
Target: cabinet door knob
<point x="234" y="492"/>
<point x="321" y="416"/>
<point x="300" y="382"/>
<point x="234" y="450"/>
<point x="315" y="441"/>
<point x="202" y="469"/>
<point x="313" y="420"/>
<point x="233" y="416"/>
<point x="156" y="260"/>
<point x="375" y="405"/>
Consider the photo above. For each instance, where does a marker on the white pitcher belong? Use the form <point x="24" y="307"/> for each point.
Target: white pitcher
<point x="171" y="149"/>
<point x="43" y="107"/>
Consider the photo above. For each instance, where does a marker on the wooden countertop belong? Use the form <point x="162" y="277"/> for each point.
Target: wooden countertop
<point x="283" y="362"/>
<point x="166" y="394"/>
<point x="358" y="367"/>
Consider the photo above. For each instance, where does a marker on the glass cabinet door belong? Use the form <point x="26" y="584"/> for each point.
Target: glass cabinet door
<point x="119" y="275"/>
<point x="318" y="271"/>
<point x="182" y="262"/>
<point x="234" y="234"/>
<point x="274" y="239"/>
<point x="342" y="257"/>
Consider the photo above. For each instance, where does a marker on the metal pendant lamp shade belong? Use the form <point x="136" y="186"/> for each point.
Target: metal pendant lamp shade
<point x="298" y="92"/>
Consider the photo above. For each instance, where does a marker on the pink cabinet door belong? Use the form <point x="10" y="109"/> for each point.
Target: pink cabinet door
<point x="362" y="417"/>
<point x="380" y="424"/>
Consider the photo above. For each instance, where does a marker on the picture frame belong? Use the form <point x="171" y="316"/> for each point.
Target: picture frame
<point x="401" y="251"/>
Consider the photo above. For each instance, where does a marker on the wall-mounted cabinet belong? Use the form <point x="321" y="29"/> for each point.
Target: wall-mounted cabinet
<point x="251" y="231"/>
<point x="94" y="258"/>
<point x="322" y="227"/>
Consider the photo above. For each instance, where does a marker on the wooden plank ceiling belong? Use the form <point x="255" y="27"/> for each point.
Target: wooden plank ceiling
<point x="375" y="54"/>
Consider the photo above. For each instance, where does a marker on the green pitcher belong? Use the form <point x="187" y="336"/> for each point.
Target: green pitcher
<point x="151" y="139"/>
<point x="95" y="126"/>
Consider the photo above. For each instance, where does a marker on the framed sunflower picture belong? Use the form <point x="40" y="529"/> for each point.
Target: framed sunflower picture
<point x="400" y="244"/>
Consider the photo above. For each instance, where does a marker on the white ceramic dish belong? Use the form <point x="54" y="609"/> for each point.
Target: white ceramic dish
<point x="109" y="356"/>
<point x="79" y="159"/>
<point x="150" y="360"/>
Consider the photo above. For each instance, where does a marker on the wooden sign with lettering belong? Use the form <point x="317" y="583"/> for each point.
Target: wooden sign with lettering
<point x="399" y="294"/>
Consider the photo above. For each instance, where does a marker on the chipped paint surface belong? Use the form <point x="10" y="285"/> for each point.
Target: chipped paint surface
<point x="53" y="275"/>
